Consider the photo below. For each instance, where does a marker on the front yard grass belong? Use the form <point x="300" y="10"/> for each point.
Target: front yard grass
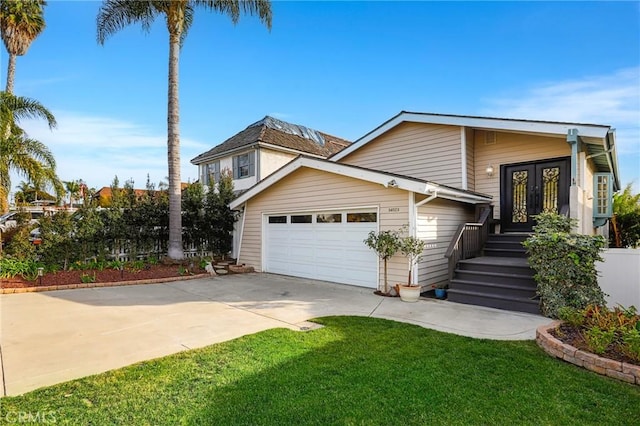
<point x="353" y="371"/>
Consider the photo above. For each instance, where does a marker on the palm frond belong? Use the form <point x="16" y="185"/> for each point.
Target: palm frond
<point x="15" y="108"/>
<point x="115" y="15"/>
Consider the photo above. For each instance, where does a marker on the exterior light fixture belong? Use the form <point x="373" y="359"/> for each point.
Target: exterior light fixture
<point x="40" y="274"/>
<point x="489" y="170"/>
<point x="392" y="184"/>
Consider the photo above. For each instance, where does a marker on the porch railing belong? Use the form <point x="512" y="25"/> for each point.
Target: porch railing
<point x="469" y="239"/>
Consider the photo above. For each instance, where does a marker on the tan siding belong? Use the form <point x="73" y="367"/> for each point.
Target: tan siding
<point x="511" y="148"/>
<point x="425" y="151"/>
<point x="471" y="176"/>
<point x="314" y="190"/>
<point x="438" y="221"/>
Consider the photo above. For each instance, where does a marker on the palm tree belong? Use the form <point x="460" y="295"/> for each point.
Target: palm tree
<point x="19" y="153"/>
<point x="115" y="15"/>
<point x="21" y="21"/>
<point x="73" y="189"/>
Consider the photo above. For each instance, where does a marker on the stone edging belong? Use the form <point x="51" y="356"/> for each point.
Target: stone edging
<point x="607" y="367"/>
<point x="92" y="285"/>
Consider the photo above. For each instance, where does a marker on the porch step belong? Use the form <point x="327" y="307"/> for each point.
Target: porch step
<point x="495" y="281"/>
<point x="506" y="245"/>
<point x="518" y="304"/>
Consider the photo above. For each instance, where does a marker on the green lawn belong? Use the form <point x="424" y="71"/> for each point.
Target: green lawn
<point x="353" y="371"/>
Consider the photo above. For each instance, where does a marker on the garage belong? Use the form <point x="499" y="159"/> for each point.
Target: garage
<point x="324" y="245"/>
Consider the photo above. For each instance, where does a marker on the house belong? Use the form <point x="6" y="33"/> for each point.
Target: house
<point x="466" y="185"/>
<point x="104" y="194"/>
<point x="262" y="148"/>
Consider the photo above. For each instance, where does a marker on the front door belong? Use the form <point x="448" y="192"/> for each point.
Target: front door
<point x="528" y="189"/>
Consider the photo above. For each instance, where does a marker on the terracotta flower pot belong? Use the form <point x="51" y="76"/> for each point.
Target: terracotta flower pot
<point x="409" y="293"/>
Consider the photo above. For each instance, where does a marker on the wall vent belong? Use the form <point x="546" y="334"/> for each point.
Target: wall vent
<point x="490" y="138"/>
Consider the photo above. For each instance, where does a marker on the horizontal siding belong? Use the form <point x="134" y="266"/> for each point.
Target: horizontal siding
<point x="313" y="190"/>
<point x="438" y="221"/>
<point x="511" y="148"/>
<point x="425" y="151"/>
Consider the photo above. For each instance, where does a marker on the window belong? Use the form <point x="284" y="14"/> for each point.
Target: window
<point x="244" y="165"/>
<point x="329" y="218"/>
<point x="305" y="218"/>
<point x="211" y="173"/>
<point x="362" y="217"/>
<point x="277" y="219"/>
<point x="603" y="195"/>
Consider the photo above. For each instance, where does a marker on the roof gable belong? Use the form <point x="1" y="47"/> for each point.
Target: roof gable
<point x="274" y="133"/>
<point x="390" y="180"/>
<point x="598" y="132"/>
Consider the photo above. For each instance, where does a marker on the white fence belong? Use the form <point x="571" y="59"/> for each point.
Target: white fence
<point x="619" y="277"/>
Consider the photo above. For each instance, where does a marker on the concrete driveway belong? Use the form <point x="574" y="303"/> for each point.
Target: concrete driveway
<point x="51" y="337"/>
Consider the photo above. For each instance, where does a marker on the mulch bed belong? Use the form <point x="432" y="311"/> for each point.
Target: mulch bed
<point x="103" y="276"/>
<point x="572" y="336"/>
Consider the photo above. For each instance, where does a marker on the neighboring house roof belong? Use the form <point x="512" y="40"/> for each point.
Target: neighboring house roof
<point x="106" y="192"/>
<point x="599" y="139"/>
<point x="278" y="134"/>
<point x="386" y="179"/>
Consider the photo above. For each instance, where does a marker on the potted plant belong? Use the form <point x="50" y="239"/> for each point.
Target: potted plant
<point x="411" y="248"/>
<point x="385" y="244"/>
<point x="441" y="291"/>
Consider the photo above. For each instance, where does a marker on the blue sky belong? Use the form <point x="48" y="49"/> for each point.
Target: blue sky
<point x="339" y="67"/>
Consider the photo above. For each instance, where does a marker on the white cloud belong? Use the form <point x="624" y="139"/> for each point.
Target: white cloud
<point x="96" y="149"/>
<point x="612" y="99"/>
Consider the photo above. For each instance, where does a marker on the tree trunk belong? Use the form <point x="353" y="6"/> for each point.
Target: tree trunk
<point x="11" y="72"/>
<point x="173" y="144"/>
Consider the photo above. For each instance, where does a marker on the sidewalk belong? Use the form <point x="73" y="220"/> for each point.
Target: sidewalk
<point x="51" y="337"/>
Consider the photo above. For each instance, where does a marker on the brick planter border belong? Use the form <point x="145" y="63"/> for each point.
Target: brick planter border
<point x="607" y="367"/>
<point x="92" y="285"/>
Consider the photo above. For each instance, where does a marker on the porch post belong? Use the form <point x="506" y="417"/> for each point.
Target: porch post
<point x="574" y="205"/>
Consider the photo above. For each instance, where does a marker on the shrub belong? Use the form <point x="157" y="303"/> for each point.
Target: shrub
<point x="27" y="269"/>
<point x="603" y="328"/>
<point x="599" y="340"/>
<point x="564" y="263"/>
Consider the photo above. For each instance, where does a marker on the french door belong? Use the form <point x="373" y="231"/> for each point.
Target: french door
<point x="528" y="189"/>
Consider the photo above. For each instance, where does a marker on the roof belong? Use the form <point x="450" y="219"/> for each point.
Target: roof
<point x="276" y="133"/>
<point x="386" y="179"/>
<point x="105" y="191"/>
<point x="599" y="139"/>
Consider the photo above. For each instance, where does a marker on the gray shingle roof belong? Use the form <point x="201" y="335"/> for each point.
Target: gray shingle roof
<point x="276" y="132"/>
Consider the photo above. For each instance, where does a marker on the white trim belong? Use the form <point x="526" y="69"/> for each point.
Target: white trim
<point x="463" y="155"/>
<point x="421" y="187"/>
<point x="523" y="126"/>
<point x="413" y="217"/>
<point x="288" y="150"/>
<point x="324" y="210"/>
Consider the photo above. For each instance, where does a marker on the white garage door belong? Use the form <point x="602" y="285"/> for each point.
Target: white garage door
<point x="322" y="245"/>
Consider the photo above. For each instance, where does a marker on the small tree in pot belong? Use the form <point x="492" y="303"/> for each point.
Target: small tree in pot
<point x="385" y="244"/>
<point x="411" y="248"/>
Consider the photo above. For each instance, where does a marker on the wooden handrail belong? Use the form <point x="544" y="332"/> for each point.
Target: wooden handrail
<point x="469" y="240"/>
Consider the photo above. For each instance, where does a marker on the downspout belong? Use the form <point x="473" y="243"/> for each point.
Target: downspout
<point x="244" y="215"/>
<point x="574" y="140"/>
<point x="413" y="211"/>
